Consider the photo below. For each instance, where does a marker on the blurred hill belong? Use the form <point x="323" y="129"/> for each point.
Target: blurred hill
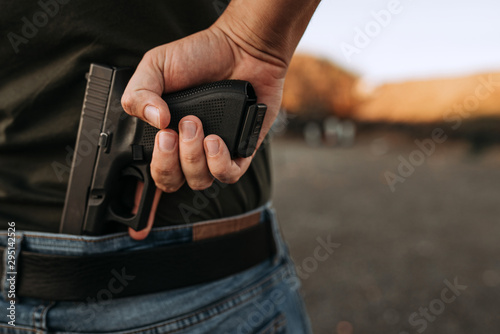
<point x="317" y="87"/>
<point x="427" y="101"/>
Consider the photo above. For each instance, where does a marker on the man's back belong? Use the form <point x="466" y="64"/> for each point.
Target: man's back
<point x="213" y="276"/>
<point x="46" y="52"/>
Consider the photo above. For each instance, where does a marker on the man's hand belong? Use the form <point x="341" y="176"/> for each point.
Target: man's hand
<point x="237" y="46"/>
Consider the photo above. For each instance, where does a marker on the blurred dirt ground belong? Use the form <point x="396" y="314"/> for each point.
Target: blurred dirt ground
<point x="422" y="259"/>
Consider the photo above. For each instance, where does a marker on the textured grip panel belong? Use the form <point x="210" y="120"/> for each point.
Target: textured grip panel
<point x="148" y="138"/>
<point x="197" y="90"/>
<point x="211" y="111"/>
<point x="221" y="107"/>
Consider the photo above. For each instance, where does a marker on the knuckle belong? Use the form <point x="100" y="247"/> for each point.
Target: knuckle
<point x="163" y="187"/>
<point x="127" y="103"/>
<point x="200" y="184"/>
<point x="225" y="176"/>
<point x="231" y="179"/>
<point x="167" y="180"/>
<point x="169" y="188"/>
<point x="191" y="158"/>
<point x="162" y="173"/>
<point x="220" y="175"/>
<point x="149" y="55"/>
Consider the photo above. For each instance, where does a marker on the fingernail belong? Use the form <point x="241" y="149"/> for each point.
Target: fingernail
<point x="152" y="114"/>
<point x="167" y="141"/>
<point x="212" y="147"/>
<point x="188" y="130"/>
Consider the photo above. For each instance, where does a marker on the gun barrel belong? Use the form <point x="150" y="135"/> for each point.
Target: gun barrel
<point x="85" y="153"/>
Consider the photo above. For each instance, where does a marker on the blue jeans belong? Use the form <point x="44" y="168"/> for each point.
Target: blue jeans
<point x="262" y="299"/>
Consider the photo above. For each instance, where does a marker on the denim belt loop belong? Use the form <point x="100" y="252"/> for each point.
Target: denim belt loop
<point x="10" y="260"/>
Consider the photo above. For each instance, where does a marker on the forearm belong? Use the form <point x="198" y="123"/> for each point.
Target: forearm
<point x="253" y="40"/>
<point x="270" y="27"/>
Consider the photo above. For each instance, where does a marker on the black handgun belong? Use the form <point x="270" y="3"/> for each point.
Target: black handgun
<point x="113" y="148"/>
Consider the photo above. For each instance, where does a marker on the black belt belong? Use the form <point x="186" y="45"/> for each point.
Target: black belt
<point x="122" y="274"/>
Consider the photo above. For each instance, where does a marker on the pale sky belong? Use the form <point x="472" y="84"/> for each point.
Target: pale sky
<point x="420" y="39"/>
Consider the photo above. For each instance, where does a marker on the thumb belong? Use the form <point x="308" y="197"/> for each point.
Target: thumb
<point x="142" y="234"/>
<point x="142" y="96"/>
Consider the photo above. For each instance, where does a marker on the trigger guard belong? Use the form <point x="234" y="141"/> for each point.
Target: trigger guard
<point x="138" y="220"/>
<point x="131" y="171"/>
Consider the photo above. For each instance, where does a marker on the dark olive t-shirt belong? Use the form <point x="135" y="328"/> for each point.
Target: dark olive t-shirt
<point x="45" y="51"/>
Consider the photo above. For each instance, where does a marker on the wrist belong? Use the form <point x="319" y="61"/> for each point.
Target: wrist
<point x="272" y="29"/>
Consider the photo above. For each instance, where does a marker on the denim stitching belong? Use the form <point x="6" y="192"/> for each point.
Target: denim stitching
<point x="50" y="247"/>
<point x="125" y="234"/>
<point x="34" y="315"/>
<point x="111" y="237"/>
<point x="19" y="328"/>
<point x="283" y="271"/>
<point x="43" y="314"/>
